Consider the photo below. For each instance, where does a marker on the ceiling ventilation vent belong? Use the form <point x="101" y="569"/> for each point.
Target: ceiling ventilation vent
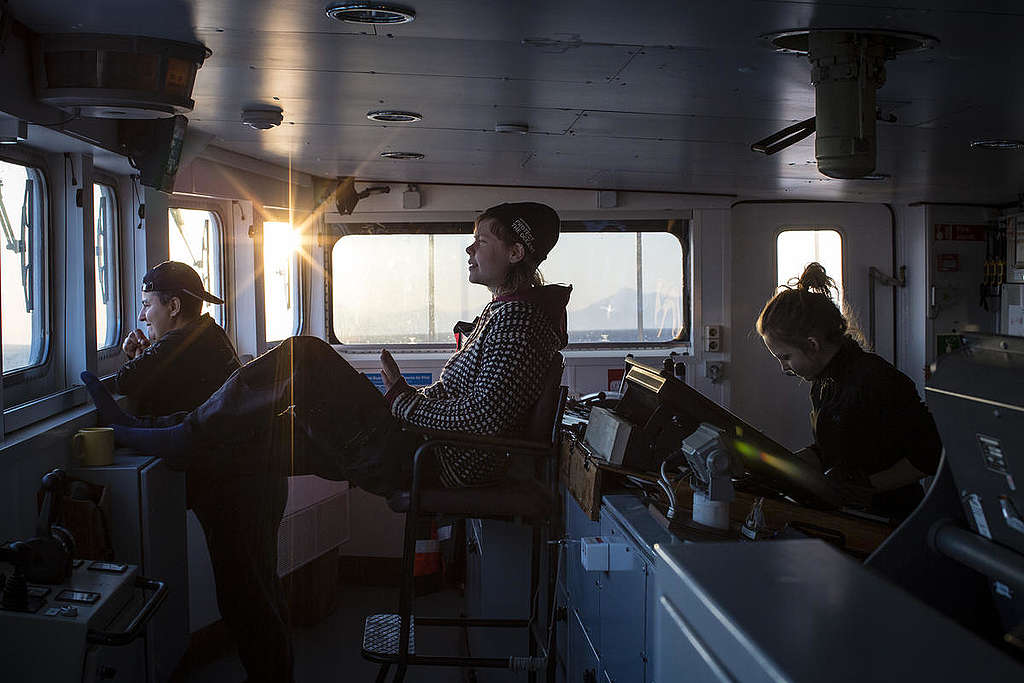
<point x="401" y="155"/>
<point x="116" y="77"/>
<point x="376" y="13"/>
<point x="998" y="144"/>
<point x="262" y="118"/>
<point x="520" y="128"/>
<point x="389" y="116"/>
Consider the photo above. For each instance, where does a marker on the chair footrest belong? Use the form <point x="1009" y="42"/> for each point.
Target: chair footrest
<point x="382" y="636"/>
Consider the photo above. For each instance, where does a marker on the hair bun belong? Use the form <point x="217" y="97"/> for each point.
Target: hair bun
<point x="814" y="279"/>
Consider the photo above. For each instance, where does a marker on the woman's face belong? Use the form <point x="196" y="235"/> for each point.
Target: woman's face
<point x="490" y="259"/>
<point x="796" y="362"/>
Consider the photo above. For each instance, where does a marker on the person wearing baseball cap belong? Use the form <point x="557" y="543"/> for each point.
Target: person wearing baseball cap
<point x="184" y="355"/>
<point x="177" y="366"/>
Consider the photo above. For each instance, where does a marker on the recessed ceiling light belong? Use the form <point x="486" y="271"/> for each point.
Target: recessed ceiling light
<point x="998" y="144"/>
<point x="388" y="116"/>
<point x="370" y="13"/>
<point x="262" y="118"/>
<point x="401" y="155"/>
<point x="520" y="128"/>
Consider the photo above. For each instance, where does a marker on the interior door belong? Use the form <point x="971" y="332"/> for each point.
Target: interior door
<point x="760" y="393"/>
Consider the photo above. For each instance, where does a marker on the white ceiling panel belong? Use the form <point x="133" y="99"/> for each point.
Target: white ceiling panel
<point x="664" y="95"/>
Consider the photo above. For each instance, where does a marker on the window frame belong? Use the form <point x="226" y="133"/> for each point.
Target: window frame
<point x="116" y="257"/>
<point x="680" y="228"/>
<point x="222" y="227"/>
<point x="42" y="371"/>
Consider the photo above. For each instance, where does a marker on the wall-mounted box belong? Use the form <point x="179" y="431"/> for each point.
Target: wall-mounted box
<point x="599" y="554"/>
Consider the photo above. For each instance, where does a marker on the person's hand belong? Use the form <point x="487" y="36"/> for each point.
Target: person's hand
<point x="135" y="343"/>
<point x="389" y="370"/>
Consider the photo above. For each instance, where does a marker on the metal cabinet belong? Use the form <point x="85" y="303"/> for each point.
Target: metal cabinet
<point x="622" y="606"/>
<point x="148" y="529"/>
<point x="584" y="664"/>
<point x="610" y="609"/>
<point x="582" y="586"/>
<point x="497" y="587"/>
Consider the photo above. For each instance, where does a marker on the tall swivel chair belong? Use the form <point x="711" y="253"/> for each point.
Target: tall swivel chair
<point x="389" y="639"/>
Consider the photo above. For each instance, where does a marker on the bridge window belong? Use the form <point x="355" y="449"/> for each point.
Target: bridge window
<point x="627" y="286"/>
<point x="280" y="279"/>
<point x="412" y="288"/>
<point x="105" y="242"/>
<point x="23" y="266"/>
<point x="796" y="248"/>
<point x="196" y="239"/>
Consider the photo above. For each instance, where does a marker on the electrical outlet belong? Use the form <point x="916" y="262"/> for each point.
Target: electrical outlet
<point x="714" y="370"/>
<point x="713" y="338"/>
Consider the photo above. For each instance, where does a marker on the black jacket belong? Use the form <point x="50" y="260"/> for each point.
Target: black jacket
<point x="180" y="370"/>
<point x="867" y="416"/>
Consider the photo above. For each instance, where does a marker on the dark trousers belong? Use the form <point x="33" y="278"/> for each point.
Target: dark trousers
<point x="240" y="515"/>
<point x="298" y="409"/>
<point x="337" y="424"/>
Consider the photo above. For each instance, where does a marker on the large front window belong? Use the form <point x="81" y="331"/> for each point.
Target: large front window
<point x="628" y="285"/>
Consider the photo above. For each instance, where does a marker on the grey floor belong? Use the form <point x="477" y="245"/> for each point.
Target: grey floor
<point x="329" y="651"/>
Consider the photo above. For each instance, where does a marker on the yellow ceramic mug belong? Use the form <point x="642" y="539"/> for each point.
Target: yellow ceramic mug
<point x="94" y="446"/>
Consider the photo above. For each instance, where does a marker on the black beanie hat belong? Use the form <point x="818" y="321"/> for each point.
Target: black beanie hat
<point x="533" y="225"/>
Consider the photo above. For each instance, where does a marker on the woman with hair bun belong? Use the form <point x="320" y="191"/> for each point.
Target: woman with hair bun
<point x="873" y="436"/>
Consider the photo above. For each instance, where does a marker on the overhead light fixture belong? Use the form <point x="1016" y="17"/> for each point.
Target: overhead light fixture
<point x="116" y="77"/>
<point x="401" y="155"/>
<point x="262" y="118"/>
<point x="13" y="131"/>
<point x="389" y="116"/>
<point x="998" y="144"/>
<point x="520" y="128"/>
<point x="376" y="13"/>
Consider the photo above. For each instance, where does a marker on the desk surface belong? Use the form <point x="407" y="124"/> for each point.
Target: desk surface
<point x="804" y="612"/>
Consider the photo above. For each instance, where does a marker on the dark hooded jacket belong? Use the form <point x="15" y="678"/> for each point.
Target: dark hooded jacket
<point x="179" y="370"/>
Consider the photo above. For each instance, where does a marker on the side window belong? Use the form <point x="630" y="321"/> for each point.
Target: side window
<point x="796" y="248"/>
<point x="412" y="288"/>
<point x="23" y="267"/>
<point x="107" y="281"/>
<point x="196" y="239"/>
<point x="280" y="279"/>
<point x="628" y="288"/>
<point x="402" y="289"/>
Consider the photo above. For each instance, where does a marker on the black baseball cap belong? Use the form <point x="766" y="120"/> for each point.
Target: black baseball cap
<point x="176" y="276"/>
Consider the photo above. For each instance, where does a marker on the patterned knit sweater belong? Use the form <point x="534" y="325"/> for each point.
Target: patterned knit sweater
<point x="489" y="386"/>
